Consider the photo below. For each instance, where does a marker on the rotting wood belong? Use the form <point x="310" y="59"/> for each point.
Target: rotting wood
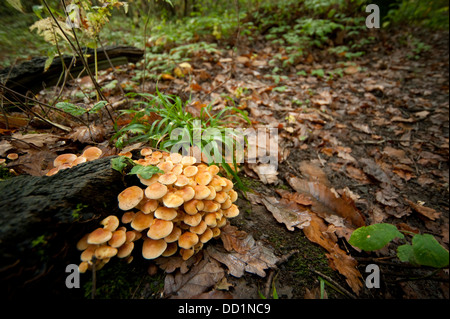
<point x="42" y="218"/>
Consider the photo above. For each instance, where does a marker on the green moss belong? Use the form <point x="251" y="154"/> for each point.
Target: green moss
<point x="119" y="280"/>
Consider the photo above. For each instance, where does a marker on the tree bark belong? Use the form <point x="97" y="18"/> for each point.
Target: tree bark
<point x="42" y="219"/>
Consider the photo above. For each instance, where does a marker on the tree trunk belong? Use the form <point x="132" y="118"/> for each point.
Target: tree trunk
<point x="42" y="219"/>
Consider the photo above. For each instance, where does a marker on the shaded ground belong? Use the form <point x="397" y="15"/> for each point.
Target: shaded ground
<point x="378" y="130"/>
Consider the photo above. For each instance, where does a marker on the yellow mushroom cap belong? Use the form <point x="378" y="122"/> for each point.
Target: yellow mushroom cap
<point x="206" y="236"/>
<point x="199" y="229"/>
<point x="88" y="253"/>
<point x="210" y="206"/>
<point x="99" y="236"/>
<point x="190" y="171"/>
<point x="174" y="235"/>
<point x="156" y="191"/>
<point x="187" y="240"/>
<point x="221" y="197"/>
<point x="167" y="178"/>
<point x="172" y="200"/>
<point x="141" y="221"/>
<point x="176" y="158"/>
<point x="127" y="217"/>
<point x="125" y="250"/>
<point x="186" y="253"/>
<point x="233" y="195"/>
<point x="83" y="267"/>
<point x="203" y="178"/>
<point x="118" y="238"/>
<point x="213" y="169"/>
<point x="79" y="160"/>
<point x="130" y="197"/>
<point x="165" y="166"/>
<point x="231" y="212"/>
<point x="110" y="223"/>
<point x="182" y="180"/>
<point x="92" y="153"/>
<point x="160" y="228"/>
<point x="64" y="159"/>
<point x="229" y="185"/>
<point x="149" y="206"/>
<point x="213" y="193"/>
<point x="188" y="160"/>
<point x="226" y="204"/>
<point x="150" y="181"/>
<point x="152" y="249"/>
<point x="201" y="192"/>
<point x="192" y="207"/>
<point x="177" y="169"/>
<point x="146" y="151"/>
<point x="165" y="213"/>
<point x="82" y="244"/>
<point x="170" y="250"/>
<point x="192" y="220"/>
<point x="187" y="193"/>
<point x="105" y="251"/>
<point x="210" y="219"/>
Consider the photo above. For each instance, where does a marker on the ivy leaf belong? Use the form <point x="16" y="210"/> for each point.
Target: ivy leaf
<point x="119" y="163"/>
<point x="145" y="171"/>
<point x="428" y="252"/>
<point x="374" y="237"/>
<point x="71" y="108"/>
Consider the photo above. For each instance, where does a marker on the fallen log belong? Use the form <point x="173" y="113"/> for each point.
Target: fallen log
<point x="42" y="218"/>
<point x="31" y="75"/>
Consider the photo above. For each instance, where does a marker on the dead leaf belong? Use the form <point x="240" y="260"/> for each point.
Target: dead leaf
<point x="288" y="213"/>
<point x="374" y="170"/>
<point x="326" y="204"/>
<point x="313" y="172"/>
<point x="234" y="239"/>
<point x="338" y="259"/>
<point x="424" y="211"/>
<point x="197" y="280"/>
<point x="254" y="261"/>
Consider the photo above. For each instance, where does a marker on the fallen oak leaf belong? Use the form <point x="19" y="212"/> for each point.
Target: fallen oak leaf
<point x="326" y="204"/>
<point x="286" y="212"/>
<point x="424" y="211"/>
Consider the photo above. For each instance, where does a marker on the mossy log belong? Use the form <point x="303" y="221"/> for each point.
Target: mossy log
<point x="42" y="218"/>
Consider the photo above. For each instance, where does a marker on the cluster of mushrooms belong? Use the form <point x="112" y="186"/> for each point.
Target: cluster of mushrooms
<point x="69" y="160"/>
<point x="178" y="210"/>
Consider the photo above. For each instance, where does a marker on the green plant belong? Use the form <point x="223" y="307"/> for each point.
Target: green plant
<point x="173" y="129"/>
<point x="424" y="249"/>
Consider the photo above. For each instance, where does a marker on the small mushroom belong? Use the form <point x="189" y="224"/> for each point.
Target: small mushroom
<point x="110" y="223"/>
<point x="127" y="217"/>
<point x="160" y="229"/>
<point x="174" y="235"/>
<point x="141" y="221"/>
<point x="170" y="250"/>
<point x="231" y="212"/>
<point x="165" y="213"/>
<point x="203" y="178"/>
<point x="186" y="193"/>
<point x="167" y="178"/>
<point x="99" y="236"/>
<point x="105" y="251"/>
<point x="92" y="153"/>
<point x="192" y="220"/>
<point x="188" y="240"/>
<point x="201" y="192"/>
<point x="190" y="171"/>
<point x="200" y="228"/>
<point x="186" y="253"/>
<point x="206" y="236"/>
<point x="130" y="197"/>
<point x="64" y="159"/>
<point x="118" y="238"/>
<point x="125" y="250"/>
<point x="152" y="249"/>
<point x="156" y="191"/>
<point x="192" y="207"/>
<point x="172" y="200"/>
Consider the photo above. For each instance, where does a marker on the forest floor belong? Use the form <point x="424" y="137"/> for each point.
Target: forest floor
<point x="376" y="133"/>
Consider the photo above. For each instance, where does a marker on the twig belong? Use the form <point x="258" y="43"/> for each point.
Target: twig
<point x="342" y="289"/>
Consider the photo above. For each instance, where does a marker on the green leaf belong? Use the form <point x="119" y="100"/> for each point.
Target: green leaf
<point x="145" y="171"/>
<point x="405" y="253"/>
<point x="16" y="4"/>
<point x="428" y="252"/>
<point x="97" y="107"/>
<point x="119" y="163"/>
<point x="374" y="237"/>
<point x="71" y="108"/>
